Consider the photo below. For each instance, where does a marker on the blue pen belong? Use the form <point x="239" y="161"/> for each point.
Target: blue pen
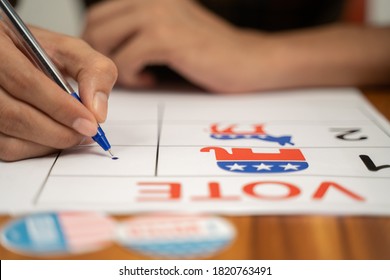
<point x="38" y="55"/>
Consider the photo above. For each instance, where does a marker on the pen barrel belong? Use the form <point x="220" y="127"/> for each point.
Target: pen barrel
<point x="101" y="139"/>
<point x="75" y="95"/>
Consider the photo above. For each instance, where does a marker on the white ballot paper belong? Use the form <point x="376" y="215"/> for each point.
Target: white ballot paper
<point x="313" y="151"/>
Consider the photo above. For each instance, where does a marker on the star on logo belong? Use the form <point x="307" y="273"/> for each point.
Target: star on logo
<point x="263" y="167"/>
<point x="236" y="167"/>
<point x="289" y="166"/>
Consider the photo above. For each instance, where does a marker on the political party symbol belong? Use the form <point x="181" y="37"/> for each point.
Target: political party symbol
<point x="244" y="160"/>
<point x="231" y="133"/>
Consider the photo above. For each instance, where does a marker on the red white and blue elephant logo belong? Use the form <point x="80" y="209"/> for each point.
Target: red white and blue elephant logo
<point x="231" y="132"/>
<point x="244" y="160"/>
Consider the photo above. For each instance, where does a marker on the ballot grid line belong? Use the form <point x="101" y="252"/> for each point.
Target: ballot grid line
<point x="375" y="121"/>
<point x="40" y="190"/>
<point x="160" y="118"/>
<point x="263" y="176"/>
<point x="160" y="113"/>
<point x="259" y="147"/>
<point x="160" y="122"/>
<point x="232" y="175"/>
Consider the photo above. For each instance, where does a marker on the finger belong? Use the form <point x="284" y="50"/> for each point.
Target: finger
<point x="13" y="149"/>
<point x="95" y="73"/>
<point x="19" y="120"/>
<point x="108" y="9"/>
<point x="26" y="83"/>
<point x="133" y="57"/>
<point x="108" y="35"/>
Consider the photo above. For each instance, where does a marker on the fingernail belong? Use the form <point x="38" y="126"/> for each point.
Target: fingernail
<point x="100" y="101"/>
<point x="85" y="127"/>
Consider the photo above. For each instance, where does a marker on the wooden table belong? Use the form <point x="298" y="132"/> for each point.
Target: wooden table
<point x="291" y="237"/>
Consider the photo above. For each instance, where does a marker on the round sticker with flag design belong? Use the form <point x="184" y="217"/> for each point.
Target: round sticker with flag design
<point x="58" y="233"/>
<point x="176" y="236"/>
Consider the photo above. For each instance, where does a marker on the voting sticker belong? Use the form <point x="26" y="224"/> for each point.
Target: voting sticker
<point x="58" y="233"/>
<point x="176" y="236"/>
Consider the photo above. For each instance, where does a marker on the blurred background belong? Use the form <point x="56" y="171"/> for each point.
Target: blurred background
<point x="66" y="16"/>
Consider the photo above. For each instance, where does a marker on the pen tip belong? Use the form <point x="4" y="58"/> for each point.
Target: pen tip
<point x="112" y="155"/>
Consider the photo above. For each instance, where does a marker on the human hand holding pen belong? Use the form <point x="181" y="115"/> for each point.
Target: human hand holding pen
<point x="36" y="116"/>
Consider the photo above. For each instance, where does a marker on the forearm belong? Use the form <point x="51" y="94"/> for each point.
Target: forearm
<point x="220" y="57"/>
<point x="330" y="56"/>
